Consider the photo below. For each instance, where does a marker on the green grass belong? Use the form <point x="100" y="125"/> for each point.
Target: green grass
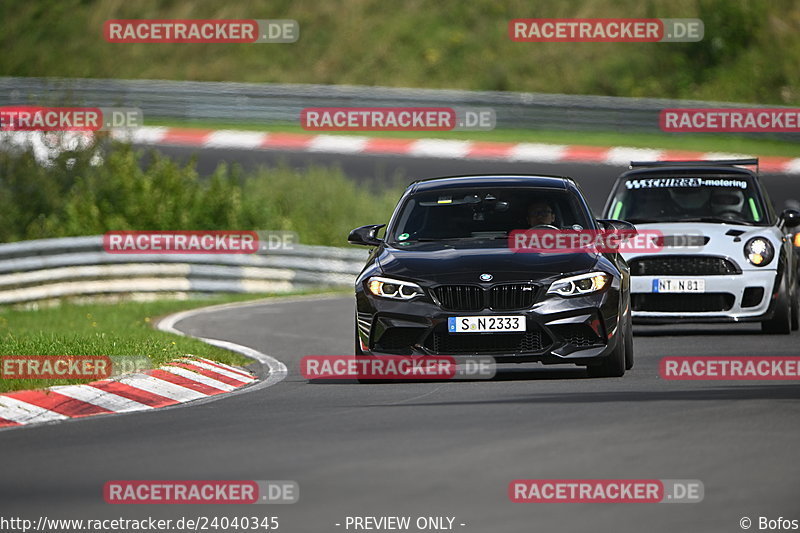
<point x="120" y="329"/>
<point x="700" y="142"/>
<point x="750" y="51"/>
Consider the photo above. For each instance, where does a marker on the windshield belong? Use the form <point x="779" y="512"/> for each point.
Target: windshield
<point x="485" y="213"/>
<point x="689" y="199"/>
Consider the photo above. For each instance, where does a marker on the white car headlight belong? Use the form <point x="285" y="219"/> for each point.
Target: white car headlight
<point x="580" y="284"/>
<point x="393" y="288"/>
<point x="759" y="251"/>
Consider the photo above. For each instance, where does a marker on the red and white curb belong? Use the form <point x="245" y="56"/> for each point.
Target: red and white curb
<point x="183" y="380"/>
<point x="436" y="148"/>
<point x="188" y="379"/>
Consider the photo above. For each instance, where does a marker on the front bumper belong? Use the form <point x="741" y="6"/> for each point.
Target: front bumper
<point x="732" y="298"/>
<point x="578" y="330"/>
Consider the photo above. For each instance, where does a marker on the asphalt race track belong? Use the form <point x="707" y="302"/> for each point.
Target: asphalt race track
<point x="444" y="448"/>
<point x="440" y="449"/>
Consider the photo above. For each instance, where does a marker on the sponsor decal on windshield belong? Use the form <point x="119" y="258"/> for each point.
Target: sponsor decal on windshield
<point x="660" y="183"/>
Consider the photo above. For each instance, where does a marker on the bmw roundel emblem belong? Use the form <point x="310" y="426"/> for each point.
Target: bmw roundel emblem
<point x="486" y="277"/>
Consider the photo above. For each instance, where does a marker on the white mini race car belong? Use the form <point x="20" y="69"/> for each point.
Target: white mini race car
<point x="724" y="255"/>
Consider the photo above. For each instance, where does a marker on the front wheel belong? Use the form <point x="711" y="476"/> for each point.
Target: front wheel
<point x="781" y="321"/>
<point x="360" y="355"/>
<point x="629" y="344"/>
<point x="358" y="344"/>
<point x="615" y="363"/>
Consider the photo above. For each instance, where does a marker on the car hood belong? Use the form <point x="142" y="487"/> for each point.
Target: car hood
<point x="706" y="238"/>
<point x="441" y="262"/>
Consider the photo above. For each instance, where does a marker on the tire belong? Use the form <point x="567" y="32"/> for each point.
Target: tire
<point x="629" y="344"/>
<point x="781" y="321"/>
<point x="796" y="306"/>
<point x="615" y="363"/>
<point x="358" y="344"/>
<point x="359" y="353"/>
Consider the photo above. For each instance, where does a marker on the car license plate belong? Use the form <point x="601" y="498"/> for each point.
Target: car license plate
<point x="485" y="324"/>
<point x="679" y="285"/>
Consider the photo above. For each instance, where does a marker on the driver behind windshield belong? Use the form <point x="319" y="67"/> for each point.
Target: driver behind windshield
<point x="691" y="200"/>
<point x="540" y="213"/>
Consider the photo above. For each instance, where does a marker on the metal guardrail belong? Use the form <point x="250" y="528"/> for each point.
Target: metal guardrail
<point x="281" y="103"/>
<point x="78" y="266"/>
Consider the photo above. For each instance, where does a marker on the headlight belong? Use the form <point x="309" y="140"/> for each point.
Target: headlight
<point x="393" y="288"/>
<point x="759" y="251"/>
<point x="580" y="284"/>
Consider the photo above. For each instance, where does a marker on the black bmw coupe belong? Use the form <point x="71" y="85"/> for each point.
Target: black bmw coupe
<point x="445" y="280"/>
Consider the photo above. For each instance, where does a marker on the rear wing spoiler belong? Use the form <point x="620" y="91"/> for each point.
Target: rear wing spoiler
<point x="698" y="162"/>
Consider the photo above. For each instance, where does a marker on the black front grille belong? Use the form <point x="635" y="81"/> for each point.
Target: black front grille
<point x="683" y="265"/>
<point x="460" y="297"/>
<point x="394" y="339"/>
<point x="580" y="335"/>
<point x="689" y="303"/>
<point x="511" y="296"/>
<point x="483" y="344"/>
<point x="505" y="297"/>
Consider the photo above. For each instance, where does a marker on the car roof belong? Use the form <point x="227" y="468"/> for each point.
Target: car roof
<point x="499" y="180"/>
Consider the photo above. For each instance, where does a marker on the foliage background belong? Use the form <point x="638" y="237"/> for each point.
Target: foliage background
<point x="750" y="53"/>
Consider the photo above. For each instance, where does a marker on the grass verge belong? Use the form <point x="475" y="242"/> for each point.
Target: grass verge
<point x="120" y="329"/>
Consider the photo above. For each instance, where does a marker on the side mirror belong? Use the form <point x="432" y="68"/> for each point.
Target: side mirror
<point x="625" y="229"/>
<point x="791" y="217"/>
<point x="365" y="235"/>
